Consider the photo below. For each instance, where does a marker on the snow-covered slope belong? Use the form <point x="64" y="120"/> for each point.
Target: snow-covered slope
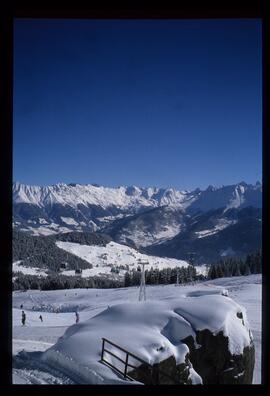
<point x="239" y="196"/>
<point x="82" y="343"/>
<point x="221" y="225"/>
<point x="214" y="234"/>
<point x="147" y="228"/>
<point x="16" y="267"/>
<point x="103" y="258"/>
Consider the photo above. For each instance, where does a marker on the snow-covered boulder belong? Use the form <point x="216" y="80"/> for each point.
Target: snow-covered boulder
<point x="197" y="339"/>
<point x="216" y="364"/>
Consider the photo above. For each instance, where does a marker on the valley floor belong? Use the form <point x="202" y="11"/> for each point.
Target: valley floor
<point x="58" y="311"/>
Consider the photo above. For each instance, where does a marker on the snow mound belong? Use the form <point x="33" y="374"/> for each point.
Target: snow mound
<point x="152" y="330"/>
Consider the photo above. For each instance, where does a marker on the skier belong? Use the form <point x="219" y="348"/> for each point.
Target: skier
<point x="40" y="317"/>
<point x="21" y="306"/>
<point x="23" y="318"/>
<point x="77" y="317"/>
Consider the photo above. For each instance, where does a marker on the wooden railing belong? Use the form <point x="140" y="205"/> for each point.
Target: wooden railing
<point x="153" y="378"/>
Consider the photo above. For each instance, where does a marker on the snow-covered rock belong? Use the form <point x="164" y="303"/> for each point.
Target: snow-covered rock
<point x="167" y="334"/>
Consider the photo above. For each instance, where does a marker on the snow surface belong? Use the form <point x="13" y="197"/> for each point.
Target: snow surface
<point x="141" y="236"/>
<point x="202" y="269"/>
<point x="17" y="267"/>
<point x="177" y="309"/>
<point x="69" y="220"/>
<point x="50" y="229"/>
<point x="42" y="221"/>
<point x="114" y="254"/>
<point x="221" y="225"/>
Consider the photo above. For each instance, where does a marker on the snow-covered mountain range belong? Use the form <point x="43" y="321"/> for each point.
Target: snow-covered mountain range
<point x="147" y="218"/>
<point x="134" y="198"/>
<point x="76" y="205"/>
<point x="125" y="198"/>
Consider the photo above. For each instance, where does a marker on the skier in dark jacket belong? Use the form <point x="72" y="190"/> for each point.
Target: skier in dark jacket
<point x="40" y="317"/>
<point x="23" y="318"/>
<point x="77" y="317"/>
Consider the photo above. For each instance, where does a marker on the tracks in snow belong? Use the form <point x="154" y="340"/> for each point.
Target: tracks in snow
<point x="29" y="369"/>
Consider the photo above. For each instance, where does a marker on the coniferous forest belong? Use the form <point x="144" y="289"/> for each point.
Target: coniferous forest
<point x="235" y="266"/>
<point x="227" y="267"/>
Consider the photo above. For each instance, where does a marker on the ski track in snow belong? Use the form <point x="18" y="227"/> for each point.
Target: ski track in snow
<point x="28" y="369"/>
<point x="31" y="340"/>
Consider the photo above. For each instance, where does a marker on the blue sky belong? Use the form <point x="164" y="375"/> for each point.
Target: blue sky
<point x="146" y="102"/>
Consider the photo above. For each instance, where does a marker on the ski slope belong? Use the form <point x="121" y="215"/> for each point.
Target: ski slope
<point x="103" y="258"/>
<point x="58" y="307"/>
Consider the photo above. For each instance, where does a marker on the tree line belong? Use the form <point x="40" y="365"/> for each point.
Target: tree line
<point x="56" y="281"/>
<point x="59" y="282"/>
<point x="42" y="252"/>
<point x="163" y="276"/>
<point x="231" y="266"/>
<point x="234" y="266"/>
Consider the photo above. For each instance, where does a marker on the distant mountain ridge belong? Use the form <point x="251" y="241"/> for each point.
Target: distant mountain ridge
<point x="146" y="218"/>
<point x="134" y="198"/>
<point x="213" y="235"/>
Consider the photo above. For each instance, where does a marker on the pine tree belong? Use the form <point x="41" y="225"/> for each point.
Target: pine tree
<point x="247" y="269"/>
<point x="236" y="271"/>
<point x="210" y="272"/>
<point x="258" y="261"/>
<point x="127" y="279"/>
